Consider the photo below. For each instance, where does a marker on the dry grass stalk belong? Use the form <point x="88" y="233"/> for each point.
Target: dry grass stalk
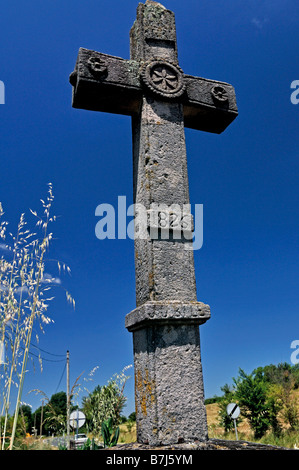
<point x="24" y="299"/>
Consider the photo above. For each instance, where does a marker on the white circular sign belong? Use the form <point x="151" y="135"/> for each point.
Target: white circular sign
<point x="233" y="410"/>
<point x="77" y="419"/>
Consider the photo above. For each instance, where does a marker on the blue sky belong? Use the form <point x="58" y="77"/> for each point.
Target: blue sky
<point x="246" y="179"/>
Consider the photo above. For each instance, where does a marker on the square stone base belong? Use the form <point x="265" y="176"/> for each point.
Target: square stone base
<point x="169" y="392"/>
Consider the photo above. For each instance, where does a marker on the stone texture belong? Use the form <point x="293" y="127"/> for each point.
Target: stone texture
<point x="164" y="268"/>
<point x="119" y="87"/>
<point x="162" y="100"/>
<point x="153" y="33"/>
<point x="210" y="444"/>
<point x="171" y="312"/>
<point x="168" y="384"/>
<point x="168" y="376"/>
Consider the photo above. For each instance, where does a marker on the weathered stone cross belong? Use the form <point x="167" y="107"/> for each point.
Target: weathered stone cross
<point x="152" y="88"/>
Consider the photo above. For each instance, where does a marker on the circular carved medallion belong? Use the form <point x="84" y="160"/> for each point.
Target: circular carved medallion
<point x="97" y="66"/>
<point x="163" y="78"/>
<point x="219" y="93"/>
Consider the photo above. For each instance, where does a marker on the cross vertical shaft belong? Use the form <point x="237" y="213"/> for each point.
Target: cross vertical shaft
<point x="168" y="375"/>
<point x="164" y="268"/>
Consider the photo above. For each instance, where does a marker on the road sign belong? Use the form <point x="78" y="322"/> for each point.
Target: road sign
<point x="77" y="419"/>
<point x="233" y="410"/>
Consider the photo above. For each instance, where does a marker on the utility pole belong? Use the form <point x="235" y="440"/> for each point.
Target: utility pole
<point x="68" y="399"/>
<point x="34" y="427"/>
<point x="41" y="420"/>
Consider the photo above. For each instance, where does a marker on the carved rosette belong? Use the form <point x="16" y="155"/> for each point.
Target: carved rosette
<point x="97" y="66"/>
<point x="163" y="78"/>
<point x="219" y="94"/>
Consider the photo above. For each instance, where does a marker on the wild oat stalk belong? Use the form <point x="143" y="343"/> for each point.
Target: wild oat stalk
<point x="51" y="416"/>
<point x="23" y="299"/>
<point x="106" y="401"/>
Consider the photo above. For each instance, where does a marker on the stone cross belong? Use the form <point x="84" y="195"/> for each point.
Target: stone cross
<point x="152" y="88"/>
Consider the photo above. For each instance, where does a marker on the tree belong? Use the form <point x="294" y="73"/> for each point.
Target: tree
<point x="27" y="418"/>
<point x="54" y="414"/>
<point x="9" y="424"/>
<point x="228" y="397"/>
<point x="251" y="392"/>
<point x="275" y="404"/>
<point x="295" y="373"/>
<point x="58" y="402"/>
<point x="281" y="381"/>
<point x="132" y="416"/>
<point x="290" y="407"/>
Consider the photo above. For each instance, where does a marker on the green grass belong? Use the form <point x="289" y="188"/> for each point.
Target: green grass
<point x="127" y="433"/>
<point x="288" y="439"/>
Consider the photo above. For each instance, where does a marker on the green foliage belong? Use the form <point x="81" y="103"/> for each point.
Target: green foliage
<point x="53" y="414"/>
<point x="105" y="402"/>
<point x="129" y="425"/>
<point x="288" y="439"/>
<point x="280" y="374"/>
<point x="109" y="433"/>
<point x="58" y="402"/>
<point x="275" y="404"/>
<point x="27" y="418"/>
<point x="62" y="447"/>
<point x="281" y="380"/>
<point x="295" y="373"/>
<point x="251" y="392"/>
<point x="214" y="399"/>
<point x="266" y="398"/>
<point x="8" y="421"/>
<point x="229" y="396"/>
<point x="88" y="445"/>
<point x="132" y="416"/>
<point x="94" y="446"/>
<point x="102" y="403"/>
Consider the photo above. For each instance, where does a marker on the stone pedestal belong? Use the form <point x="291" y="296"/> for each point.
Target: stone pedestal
<point x="168" y="374"/>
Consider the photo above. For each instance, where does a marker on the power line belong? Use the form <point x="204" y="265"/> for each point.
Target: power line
<point x="61" y="377"/>
<point x="47" y="352"/>
<point x="43" y="350"/>
<point x="44" y="358"/>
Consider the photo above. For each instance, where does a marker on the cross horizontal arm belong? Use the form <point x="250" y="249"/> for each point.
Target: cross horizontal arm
<point x="209" y="105"/>
<point x="111" y="84"/>
<point x="105" y="83"/>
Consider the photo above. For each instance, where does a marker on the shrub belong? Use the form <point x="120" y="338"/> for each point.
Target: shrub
<point x="105" y="402"/>
<point x="251" y="392"/>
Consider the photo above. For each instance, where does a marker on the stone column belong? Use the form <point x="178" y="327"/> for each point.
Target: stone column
<point x="169" y="392"/>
